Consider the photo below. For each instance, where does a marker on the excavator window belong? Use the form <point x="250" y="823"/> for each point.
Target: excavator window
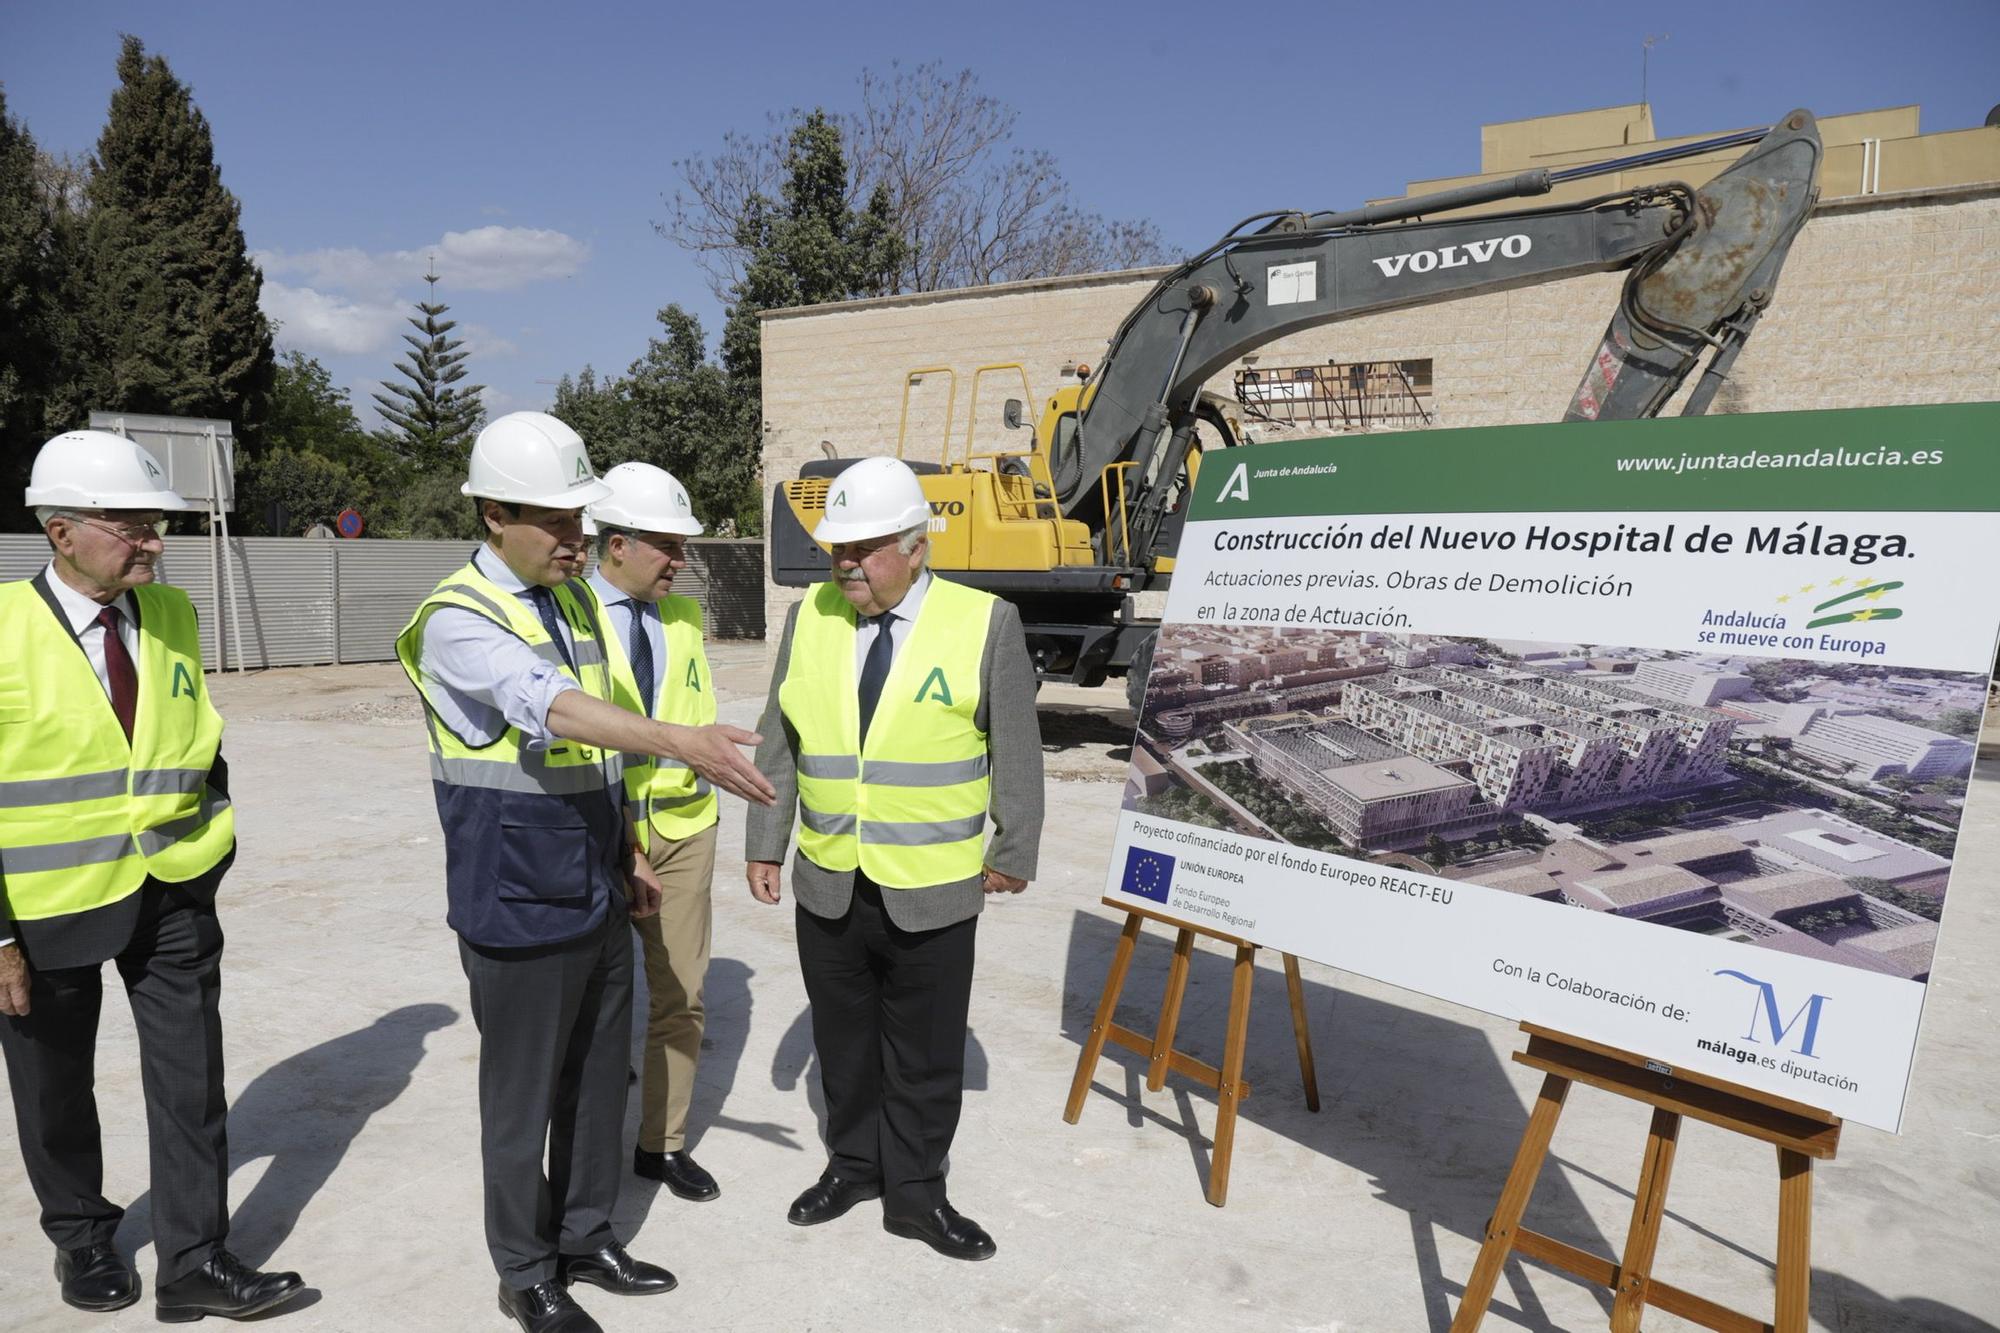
<point x="1062" y="449"/>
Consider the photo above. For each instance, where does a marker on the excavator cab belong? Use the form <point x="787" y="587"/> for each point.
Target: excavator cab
<point x="992" y="502"/>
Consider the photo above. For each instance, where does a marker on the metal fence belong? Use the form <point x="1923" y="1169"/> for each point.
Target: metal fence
<point x="302" y="602"/>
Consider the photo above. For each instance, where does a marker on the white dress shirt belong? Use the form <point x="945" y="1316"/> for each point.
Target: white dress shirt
<point x="481" y="677"/>
<point x="82" y="614"/>
<point x="899" y="628"/>
<point x="618" y="620"/>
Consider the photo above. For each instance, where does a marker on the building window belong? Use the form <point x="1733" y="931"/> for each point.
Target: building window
<point x="1340" y="396"/>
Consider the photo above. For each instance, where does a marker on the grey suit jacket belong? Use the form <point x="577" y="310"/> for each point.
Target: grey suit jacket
<point x="1006" y="714"/>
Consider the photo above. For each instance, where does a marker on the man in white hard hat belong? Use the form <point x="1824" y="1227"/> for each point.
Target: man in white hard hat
<point x="901" y="716"/>
<point x="542" y="866"/>
<point x="115" y="831"/>
<point x="654" y="642"/>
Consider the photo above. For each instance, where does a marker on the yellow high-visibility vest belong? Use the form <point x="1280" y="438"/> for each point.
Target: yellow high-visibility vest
<point x="533" y="838"/>
<point x="665" y="794"/>
<point x="86" y="815"/>
<point x="909" y="807"/>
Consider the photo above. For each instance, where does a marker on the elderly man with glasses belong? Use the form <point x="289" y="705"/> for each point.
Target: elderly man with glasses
<point x="115" y="831"/>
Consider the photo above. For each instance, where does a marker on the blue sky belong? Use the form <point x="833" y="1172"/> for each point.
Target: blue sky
<point x="529" y="146"/>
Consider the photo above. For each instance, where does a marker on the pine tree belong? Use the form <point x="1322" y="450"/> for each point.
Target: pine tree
<point x="432" y="419"/>
<point x="171" y="312"/>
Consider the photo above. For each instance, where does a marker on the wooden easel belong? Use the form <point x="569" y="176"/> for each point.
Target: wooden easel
<point x="1230" y="1089"/>
<point x="1799" y="1132"/>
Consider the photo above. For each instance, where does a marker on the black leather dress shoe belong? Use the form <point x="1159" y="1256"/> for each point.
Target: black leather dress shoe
<point x="678" y="1172"/>
<point x="614" y="1270"/>
<point x="829" y="1197"/>
<point x="95" y="1278"/>
<point x="224" y="1286"/>
<point x="545" y="1308"/>
<point x="945" y="1230"/>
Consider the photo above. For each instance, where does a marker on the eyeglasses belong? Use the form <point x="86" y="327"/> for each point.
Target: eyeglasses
<point x="673" y="548"/>
<point x="859" y="551"/>
<point x="133" y="534"/>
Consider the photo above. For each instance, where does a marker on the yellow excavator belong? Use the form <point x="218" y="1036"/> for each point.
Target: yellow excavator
<point x="1087" y="512"/>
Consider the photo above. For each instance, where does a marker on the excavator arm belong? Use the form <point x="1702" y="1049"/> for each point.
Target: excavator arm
<point x="1701" y="264"/>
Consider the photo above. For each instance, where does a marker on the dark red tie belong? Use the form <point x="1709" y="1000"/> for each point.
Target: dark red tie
<point x="118" y="672"/>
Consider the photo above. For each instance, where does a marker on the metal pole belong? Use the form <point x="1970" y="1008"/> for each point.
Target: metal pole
<point x="1645" y="60"/>
<point x="228" y="573"/>
<point x="334" y="555"/>
<point x="214" y="562"/>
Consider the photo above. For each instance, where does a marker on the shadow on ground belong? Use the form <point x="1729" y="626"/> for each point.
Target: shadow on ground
<point x="1069" y="727"/>
<point x="304" y="1113"/>
<point x="729" y="1000"/>
<point x="1418" y="1103"/>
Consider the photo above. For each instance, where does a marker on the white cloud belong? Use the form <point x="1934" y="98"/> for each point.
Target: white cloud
<point x="319" y="323"/>
<point x="489" y="259"/>
<point x="482" y="341"/>
<point x="499" y="402"/>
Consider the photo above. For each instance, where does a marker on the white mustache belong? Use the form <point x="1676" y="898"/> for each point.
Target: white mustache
<point x="856" y="575"/>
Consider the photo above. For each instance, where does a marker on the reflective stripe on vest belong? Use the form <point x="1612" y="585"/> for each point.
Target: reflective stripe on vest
<point x="909" y="808"/>
<point x="665" y="794"/>
<point x="85" y="815"/>
<point x="507" y="764"/>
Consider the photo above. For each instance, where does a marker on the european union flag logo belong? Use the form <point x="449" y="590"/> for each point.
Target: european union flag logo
<point x="1148" y="874"/>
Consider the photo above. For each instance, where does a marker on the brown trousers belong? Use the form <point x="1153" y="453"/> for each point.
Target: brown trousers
<point x="676" y="942"/>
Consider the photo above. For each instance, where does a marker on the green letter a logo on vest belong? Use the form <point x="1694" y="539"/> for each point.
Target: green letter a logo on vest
<point x="693" y="677"/>
<point x="943" y="690"/>
<point x="183" y="682"/>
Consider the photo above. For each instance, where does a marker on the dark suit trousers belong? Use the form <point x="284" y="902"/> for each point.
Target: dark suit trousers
<point x="554" y="1035"/>
<point x="888" y="1018"/>
<point x="172" y="969"/>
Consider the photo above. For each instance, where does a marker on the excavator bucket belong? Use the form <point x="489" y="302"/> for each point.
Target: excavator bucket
<point x="1711" y="288"/>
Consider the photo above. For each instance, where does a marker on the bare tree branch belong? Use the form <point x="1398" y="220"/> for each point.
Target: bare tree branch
<point x="971" y="208"/>
<point x="704" y="216"/>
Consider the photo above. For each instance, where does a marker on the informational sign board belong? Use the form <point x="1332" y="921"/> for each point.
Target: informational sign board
<point x="1655" y="733"/>
<point x="181" y="446"/>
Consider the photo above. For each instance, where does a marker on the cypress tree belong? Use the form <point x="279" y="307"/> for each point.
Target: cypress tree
<point x="804" y="249"/>
<point x="27" y="287"/>
<point x="171" y="314"/>
<point x="431" y="419"/>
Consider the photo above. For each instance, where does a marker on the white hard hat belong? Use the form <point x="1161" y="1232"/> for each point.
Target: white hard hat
<point x="645" y="498"/>
<point x="873" y="498"/>
<point x="532" y="458"/>
<point x="94" y="469"/>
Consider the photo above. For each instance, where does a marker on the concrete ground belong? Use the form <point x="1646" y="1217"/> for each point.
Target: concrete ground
<point x="354" y="1134"/>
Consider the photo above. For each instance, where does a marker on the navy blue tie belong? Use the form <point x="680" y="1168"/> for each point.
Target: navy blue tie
<point x="545" y="607"/>
<point x="875" y="669"/>
<point x="642" y="654"/>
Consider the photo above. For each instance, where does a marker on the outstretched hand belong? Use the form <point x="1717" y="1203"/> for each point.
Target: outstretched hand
<point x="712" y="753"/>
